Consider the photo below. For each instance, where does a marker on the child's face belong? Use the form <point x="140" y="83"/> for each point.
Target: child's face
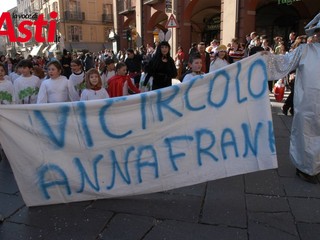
<point x="222" y="54"/>
<point x="122" y="71"/>
<point x="75" y="67"/>
<point x="53" y="71"/>
<point x="94" y="79"/>
<point x="111" y="67"/>
<point x="26" y="71"/>
<point x="2" y="73"/>
<point x="196" y="65"/>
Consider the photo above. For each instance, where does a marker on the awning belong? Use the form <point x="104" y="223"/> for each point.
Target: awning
<point x="92" y="47"/>
<point x="35" y="50"/>
<point x="45" y="49"/>
<point x="53" y="47"/>
<point x="79" y="46"/>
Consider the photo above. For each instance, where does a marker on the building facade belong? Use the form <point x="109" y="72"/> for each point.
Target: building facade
<point x="204" y="20"/>
<point x="80" y="25"/>
<point x="119" y="24"/>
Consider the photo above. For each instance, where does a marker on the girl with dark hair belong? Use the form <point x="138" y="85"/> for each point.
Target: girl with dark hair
<point x="56" y="88"/>
<point x="161" y="67"/>
<point x="76" y="79"/>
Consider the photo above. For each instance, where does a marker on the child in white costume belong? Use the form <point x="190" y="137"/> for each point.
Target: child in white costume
<point x="195" y="64"/>
<point x="56" y="88"/>
<point x="305" y="132"/>
<point x="220" y="60"/>
<point x="76" y="79"/>
<point x="6" y="88"/>
<point x="26" y="87"/>
<point x="94" y="89"/>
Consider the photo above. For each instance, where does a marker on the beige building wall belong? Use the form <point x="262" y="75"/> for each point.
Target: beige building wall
<point x="229" y="9"/>
<point x="91" y="20"/>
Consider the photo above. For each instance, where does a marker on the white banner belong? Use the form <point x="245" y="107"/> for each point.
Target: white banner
<point x="217" y="125"/>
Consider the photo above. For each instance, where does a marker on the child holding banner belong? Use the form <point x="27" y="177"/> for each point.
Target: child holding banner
<point x="6" y="87"/>
<point x="76" y="79"/>
<point x="56" y="88"/>
<point x="26" y="87"/>
<point x="120" y="84"/>
<point x="195" y="64"/>
<point x="94" y="89"/>
<point x="221" y="58"/>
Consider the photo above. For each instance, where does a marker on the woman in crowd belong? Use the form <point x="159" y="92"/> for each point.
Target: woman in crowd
<point x="162" y="67"/>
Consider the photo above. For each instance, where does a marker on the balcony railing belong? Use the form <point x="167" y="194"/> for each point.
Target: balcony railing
<point x="74" y="16"/>
<point x="107" y="18"/>
<point x="125" y="7"/>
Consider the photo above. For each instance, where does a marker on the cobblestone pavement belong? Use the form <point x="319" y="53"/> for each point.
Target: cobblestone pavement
<point x="273" y="204"/>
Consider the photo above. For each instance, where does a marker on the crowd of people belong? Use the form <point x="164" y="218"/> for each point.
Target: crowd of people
<point x="101" y="75"/>
<point x="57" y="79"/>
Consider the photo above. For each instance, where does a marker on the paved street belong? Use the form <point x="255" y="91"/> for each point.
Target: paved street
<point x="272" y="204"/>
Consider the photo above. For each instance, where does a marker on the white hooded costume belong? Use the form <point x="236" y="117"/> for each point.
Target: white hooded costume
<point x="305" y="132"/>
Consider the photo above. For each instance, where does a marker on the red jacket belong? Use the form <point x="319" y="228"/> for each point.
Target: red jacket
<point x="116" y="84"/>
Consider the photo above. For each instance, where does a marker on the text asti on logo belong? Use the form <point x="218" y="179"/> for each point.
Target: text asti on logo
<point x="23" y="27"/>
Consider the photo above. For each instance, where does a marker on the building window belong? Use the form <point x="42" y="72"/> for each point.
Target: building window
<point x="75" y="33"/>
<point x="55" y="7"/>
<point x="91" y="10"/>
<point x="106" y="34"/>
<point x="93" y="33"/>
<point x="107" y="13"/>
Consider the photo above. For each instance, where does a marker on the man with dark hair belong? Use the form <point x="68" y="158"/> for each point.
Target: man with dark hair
<point x="205" y="57"/>
<point x="292" y="38"/>
<point x="256" y="46"/>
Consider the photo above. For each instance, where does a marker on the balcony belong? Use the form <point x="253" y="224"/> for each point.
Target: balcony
<point x="125" y="7"/>
<point x="150" y="2"/>
<point x="107" y="18"/>
<point x="74" y="16"/>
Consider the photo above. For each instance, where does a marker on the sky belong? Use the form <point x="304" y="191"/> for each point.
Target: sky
<point x="6" y="5"/>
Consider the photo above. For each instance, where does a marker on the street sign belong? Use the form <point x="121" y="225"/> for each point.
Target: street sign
<point x="172" y="22"/>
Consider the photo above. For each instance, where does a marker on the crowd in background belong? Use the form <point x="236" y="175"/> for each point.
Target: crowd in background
<point x="129" y="71"/>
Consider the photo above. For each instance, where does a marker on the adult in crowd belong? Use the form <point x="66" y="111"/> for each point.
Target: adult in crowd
<point x="213" y="46"/>
<point x="292" y="38"/>
<point x="161" y="67"/>
<point x="88" y="62"/>
<point x="179" y="61"/>
<point x="256" y="46"/>
<point x="66" y="63"/>
<point x="305" y="132"/>
<point x="192" y="49"/>
<point x="205" y="57"/>
<point x="235" y="52"/>
<point x="134" y="65"/>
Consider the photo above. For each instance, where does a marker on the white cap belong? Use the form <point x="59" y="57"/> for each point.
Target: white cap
<point x="313" y="25"/>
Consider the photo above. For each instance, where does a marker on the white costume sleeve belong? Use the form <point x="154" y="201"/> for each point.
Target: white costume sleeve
<point x="281" y="65"/>
<point x="43" y="94"/>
